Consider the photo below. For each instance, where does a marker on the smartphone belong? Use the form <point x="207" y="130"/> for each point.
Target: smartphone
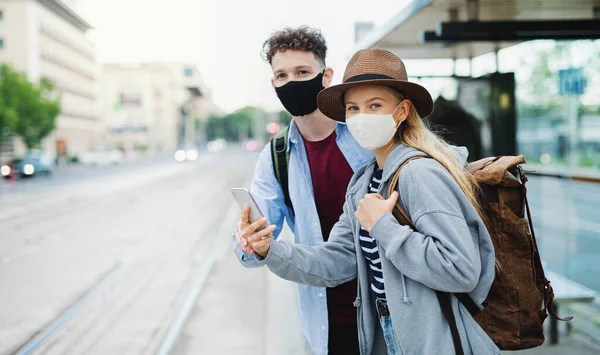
<point x="244" y="198"/>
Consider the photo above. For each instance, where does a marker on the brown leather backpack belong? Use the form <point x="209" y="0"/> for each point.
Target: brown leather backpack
<point x="520" y="297"/>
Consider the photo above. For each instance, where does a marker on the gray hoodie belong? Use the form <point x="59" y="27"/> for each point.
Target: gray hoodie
<point x="452" y="252"/>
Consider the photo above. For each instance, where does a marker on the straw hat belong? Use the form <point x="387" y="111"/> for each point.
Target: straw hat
<point x="373" y="67"/>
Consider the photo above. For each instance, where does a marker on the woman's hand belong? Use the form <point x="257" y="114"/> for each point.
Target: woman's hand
<point x="372" y="207"/>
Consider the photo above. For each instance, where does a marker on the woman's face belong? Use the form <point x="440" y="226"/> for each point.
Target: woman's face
<point x="375" y="99"/>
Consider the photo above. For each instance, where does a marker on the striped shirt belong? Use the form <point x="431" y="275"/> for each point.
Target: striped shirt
<point x="369" y="245"/>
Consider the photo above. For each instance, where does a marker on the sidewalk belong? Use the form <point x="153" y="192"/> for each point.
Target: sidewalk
<point x="244" y="311"/>
<point x="251" y="311"/>
<point x="571" y="344"/>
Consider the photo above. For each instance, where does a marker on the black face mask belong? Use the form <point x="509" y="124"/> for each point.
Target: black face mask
<point x="300" y="97"/>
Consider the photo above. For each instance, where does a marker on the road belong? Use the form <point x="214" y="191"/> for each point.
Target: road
<point x="101" y="263"/>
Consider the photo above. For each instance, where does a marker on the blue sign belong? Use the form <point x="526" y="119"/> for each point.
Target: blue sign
<point x="571" y="81"/>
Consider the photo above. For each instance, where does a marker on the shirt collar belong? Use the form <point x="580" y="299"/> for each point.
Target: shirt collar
<point x="294" y="135"/>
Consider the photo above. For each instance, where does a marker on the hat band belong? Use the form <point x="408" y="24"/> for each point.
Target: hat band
<point x="363" y="77"/>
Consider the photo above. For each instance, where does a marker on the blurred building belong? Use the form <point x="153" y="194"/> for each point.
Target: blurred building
<point x="47" y="38"/>
<point x="154" y="106"/>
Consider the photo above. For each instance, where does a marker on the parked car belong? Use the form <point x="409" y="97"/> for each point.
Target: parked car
<point x="31" y="164"/>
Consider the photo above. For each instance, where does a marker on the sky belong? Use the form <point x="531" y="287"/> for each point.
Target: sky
<point x="224" y="38"/>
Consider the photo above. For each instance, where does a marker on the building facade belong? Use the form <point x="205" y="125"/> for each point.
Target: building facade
<point x="47" y="38"/>
<point x="153" y="106"/>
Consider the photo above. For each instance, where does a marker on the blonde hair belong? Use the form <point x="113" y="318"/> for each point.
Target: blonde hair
<point x="414" y="132"/>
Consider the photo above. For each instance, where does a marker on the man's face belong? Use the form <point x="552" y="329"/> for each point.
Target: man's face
<point x="294" y="65"/>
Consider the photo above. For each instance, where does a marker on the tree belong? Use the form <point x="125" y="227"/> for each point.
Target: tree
<point x="28" y="110"/>
<point x="8" y="114"/>
<point x="238" y="124"/>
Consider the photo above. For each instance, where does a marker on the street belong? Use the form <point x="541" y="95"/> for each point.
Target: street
<point x="101" y="265"/>
<point x="136" y="259"/>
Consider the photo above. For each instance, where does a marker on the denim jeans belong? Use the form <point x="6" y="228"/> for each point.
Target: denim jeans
<point x="388" y="328"/>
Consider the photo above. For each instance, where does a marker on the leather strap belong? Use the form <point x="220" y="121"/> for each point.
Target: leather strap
<point x="546" y="290"/>
<point x="392" y="188"/>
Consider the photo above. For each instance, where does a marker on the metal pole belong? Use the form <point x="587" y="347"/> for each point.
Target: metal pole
<point x="573" y="116"/>
<point x="554" y="326"/>
<point x="496" y="50"/>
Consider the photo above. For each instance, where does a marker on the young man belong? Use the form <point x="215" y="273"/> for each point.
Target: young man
<point x="323" y="158"/>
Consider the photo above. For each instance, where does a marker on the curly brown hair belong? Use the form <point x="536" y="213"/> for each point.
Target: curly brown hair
<point x="303" y="38"/>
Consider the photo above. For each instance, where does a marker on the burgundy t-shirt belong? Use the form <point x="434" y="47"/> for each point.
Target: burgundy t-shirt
<point x="331" y="174"/>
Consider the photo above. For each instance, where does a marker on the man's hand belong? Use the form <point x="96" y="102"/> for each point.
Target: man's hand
<point x="372" y="207"/>
<point x="241" y="229"/>
<point x="261" y="240"/>
<point x="246" y="235"/>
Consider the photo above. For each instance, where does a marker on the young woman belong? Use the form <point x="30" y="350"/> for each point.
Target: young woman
<point x="399" y="269"/>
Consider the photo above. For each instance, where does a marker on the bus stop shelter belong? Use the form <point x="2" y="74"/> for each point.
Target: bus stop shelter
<point x="428" y="29"/>
<point x="464" y="29"/>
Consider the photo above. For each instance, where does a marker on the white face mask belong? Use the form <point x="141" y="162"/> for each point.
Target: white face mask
<point x="372" y="131"/>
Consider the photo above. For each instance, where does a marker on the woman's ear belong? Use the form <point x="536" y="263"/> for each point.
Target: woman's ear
<point x="403" y="110"/>
<point x="327" y="77"/>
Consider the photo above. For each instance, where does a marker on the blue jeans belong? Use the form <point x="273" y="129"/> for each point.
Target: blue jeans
<point x="388" y="328"/>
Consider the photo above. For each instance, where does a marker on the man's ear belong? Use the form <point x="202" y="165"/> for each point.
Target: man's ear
<point x="273" y="83"/>
<point x="327" y="77"/>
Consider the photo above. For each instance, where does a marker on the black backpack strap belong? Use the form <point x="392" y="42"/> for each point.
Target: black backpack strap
<point x="469" y="304"/>
<point x="281" y="158"/>
<point x="444" y="300"/>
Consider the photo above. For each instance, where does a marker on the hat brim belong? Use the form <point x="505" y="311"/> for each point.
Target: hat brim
<point x="331" y="100"/>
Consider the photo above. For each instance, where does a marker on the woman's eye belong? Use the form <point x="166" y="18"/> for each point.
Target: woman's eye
<point x="351" y="108"/>
<point x="375" y="106"/>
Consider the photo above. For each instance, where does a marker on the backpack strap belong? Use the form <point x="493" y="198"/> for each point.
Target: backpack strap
<point x="546" y="290"/>
<point x="444" y="301"/>
<point x="444" y="298"/>
<point x="280" y="155"/>
<point x="399" y="212"/>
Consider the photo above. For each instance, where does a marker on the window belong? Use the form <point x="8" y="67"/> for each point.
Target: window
<point x="1" y="42"/>
<point x="188" y="72"/>
<point x="1" y="14"/>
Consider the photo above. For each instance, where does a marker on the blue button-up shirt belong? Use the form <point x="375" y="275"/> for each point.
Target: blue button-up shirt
<point x="305" y="224"/>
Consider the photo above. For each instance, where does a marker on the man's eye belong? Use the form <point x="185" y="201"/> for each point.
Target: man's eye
<point x="302" y="72"/>
<point x="281" y="76"/>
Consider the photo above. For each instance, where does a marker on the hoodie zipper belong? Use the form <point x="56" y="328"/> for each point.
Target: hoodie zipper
<point x="358" y="301"/>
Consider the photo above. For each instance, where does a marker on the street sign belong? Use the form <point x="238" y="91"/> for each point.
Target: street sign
<point x="571" y="82"/>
